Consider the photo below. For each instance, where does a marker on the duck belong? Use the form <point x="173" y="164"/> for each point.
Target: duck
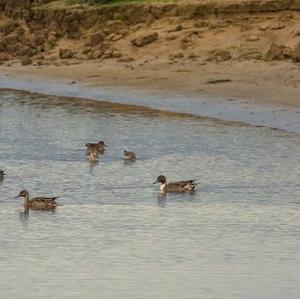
<point x="100" y="147"/>
<point x="93" y="155"/>
<point x="2" y="174"/>
<point x="129" y="156"/>
<point x="37" y="203"/>
<point x="175" y="187"/>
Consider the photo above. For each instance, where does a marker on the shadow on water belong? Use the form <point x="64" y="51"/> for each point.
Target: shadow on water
<point x="24" y="217"/>
<point x="164" y="198"/>
<point x="92" y="164"/>
<point x="128" y="162"/>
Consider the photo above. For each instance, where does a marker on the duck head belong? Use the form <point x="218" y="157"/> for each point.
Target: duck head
<point x="160" y="179"/>
<point x="102" y="143"/>
<point x="23" y="193"/>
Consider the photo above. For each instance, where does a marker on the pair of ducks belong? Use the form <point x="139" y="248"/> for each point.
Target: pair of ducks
<point x="96" y="149"/>
<point x="49" y="203"/>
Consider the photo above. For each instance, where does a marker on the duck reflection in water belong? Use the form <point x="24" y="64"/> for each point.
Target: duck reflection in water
<point x="162" y="199"/>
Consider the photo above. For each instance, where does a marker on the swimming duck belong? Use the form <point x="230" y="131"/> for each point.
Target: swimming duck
<point x="177" y="187"/>
<point x="130" y="156"/>
<point x="38" y="203"/>
<point x="2" y="174"/>
<point x="100" y="147"/>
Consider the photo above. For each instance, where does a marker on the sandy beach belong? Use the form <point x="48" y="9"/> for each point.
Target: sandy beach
<point x="259" y="82"/>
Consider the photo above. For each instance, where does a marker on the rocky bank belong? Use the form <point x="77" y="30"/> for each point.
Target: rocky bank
<point x="53" y="32"/>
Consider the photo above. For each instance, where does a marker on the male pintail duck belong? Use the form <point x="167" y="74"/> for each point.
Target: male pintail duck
<point x="100" y="147"/>
<point x="130" y="156"/>
<point x="177" y="187"/>
<point x="93" y="155"/>
<point x="2" y="174"/>
<point x="38" y="203"/>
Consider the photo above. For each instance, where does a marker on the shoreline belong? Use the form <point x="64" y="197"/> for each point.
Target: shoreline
<point x="230" y="60"/>
<point x="120" y="85"/>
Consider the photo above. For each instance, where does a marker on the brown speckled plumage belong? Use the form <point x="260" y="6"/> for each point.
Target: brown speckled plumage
<point x="38" y="203"/>
<point x="99" y="147"/>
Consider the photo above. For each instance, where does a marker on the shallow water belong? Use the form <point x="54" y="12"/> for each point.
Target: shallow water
<point x="115" y="236"/>
<point x="273" y="115"/>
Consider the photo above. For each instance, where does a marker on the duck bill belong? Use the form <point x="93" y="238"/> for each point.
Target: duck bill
<point x="155" y="182"/>
<point x="17" y="196"/>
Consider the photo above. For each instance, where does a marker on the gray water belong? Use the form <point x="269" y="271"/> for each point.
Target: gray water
<point x="115" y="235"/>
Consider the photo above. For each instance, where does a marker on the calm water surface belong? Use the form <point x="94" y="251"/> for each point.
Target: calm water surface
<point x="115" y="236"/>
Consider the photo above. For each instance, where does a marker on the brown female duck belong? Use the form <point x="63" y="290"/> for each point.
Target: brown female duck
<point x="38" y="203"/>
<point x="176" y="187"/>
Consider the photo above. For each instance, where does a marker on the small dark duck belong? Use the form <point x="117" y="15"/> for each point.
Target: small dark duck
<point x="176" y="187"/>
<point x="2" y="174"/>
<point x="38" y="203"/>
<point x="100" y="147"/>
<point x="129" y="156"/>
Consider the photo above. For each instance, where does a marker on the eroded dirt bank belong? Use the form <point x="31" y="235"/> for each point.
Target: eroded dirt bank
<point x="141" y="33"/>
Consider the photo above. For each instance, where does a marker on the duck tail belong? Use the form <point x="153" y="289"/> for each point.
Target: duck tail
<point x="53" y="199"/>
<point x="191" y="185"/>
<point x="194" y="186"/>
<point x="54" y="203"/>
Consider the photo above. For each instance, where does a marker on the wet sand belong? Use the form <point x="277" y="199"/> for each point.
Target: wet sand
<point x="258" y="93"/>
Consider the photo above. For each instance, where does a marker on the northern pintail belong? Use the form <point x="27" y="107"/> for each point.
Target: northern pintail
<point x="38" y="203"/>
<point x="176" y="187"/>
<point x="130" y="156"/>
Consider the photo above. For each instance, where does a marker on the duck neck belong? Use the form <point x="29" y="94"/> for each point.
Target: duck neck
<point x="163" y="186"/>
<point x="26" y="202"/>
